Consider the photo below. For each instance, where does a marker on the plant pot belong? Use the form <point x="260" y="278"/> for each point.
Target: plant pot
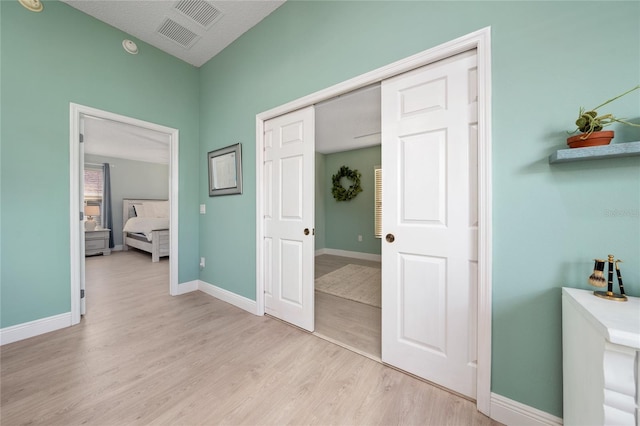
<point x="594" y="139"/>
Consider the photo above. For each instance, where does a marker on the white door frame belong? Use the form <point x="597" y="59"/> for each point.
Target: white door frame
<point x="480" y="40"/>
<point x="76" y="112"/>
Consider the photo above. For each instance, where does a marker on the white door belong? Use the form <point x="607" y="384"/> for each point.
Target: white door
<point x="429" y="255"/>
<point x="289" y="147"/>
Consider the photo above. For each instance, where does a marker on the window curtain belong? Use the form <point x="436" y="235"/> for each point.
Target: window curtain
<point x="107" y="216"/>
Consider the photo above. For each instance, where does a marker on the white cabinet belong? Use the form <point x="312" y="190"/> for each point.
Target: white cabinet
<point x="600" y="359"/>
<point x="96" y="242"/>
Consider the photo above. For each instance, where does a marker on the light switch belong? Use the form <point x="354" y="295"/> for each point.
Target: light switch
<point x="203" y="208"/>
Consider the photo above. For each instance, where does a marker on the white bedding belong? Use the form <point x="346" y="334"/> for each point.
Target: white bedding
<point x="144" y="225"/>
<point x="152" y="209"/>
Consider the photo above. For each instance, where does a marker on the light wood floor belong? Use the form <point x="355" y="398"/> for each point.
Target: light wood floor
<point x="352" y="324"/>
<point x="141" y="356"/>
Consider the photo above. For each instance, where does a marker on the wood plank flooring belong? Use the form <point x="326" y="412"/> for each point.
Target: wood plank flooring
<point x="142" y="357"/>
<point x="354" y="325"/>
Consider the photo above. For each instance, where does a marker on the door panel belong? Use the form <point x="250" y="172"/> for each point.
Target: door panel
<point x="423" y="305"/>
<point x="288" y="211"/>
<point x="268" y="269"/>
<point x="291" y="279"/>
<point x="429" y="269"/>
<point x="291" y="180"/>
<point x="424" y="178"/>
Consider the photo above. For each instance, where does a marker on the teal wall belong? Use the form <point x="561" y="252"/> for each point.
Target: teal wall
<point x="549" y="58"/>
<point x="132" y="179"/>
<point x="320" y="186"/>
<point x="345" y="220"/>
<point x="50" y="59"/>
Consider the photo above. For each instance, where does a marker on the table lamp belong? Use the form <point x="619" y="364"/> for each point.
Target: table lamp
<point x="90" y="211"/>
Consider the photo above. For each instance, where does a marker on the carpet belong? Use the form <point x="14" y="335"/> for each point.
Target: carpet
<point x="354" y="282"/>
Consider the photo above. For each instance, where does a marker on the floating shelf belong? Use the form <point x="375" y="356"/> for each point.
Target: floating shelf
<point x="626" y="149"/>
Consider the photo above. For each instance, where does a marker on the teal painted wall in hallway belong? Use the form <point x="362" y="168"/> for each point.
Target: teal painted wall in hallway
<point x="345" y="220"/>
<point x="549" y="221"/>
<point x="50" y="59"/>
<point x="320" y="218"/>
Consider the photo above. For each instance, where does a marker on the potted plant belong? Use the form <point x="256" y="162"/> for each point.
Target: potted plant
<point x="590" y="126"/>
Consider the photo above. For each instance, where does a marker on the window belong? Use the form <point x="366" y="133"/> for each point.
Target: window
<point x="378" y="201"/>
<point x="93" y="182"/>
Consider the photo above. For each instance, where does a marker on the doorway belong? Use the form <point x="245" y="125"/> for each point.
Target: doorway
<point x="78" y="115"/>
<point x="347" y="245"/>
<point x="480" y="41"/>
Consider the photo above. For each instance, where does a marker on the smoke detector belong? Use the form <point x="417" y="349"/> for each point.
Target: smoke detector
<point x="32" y="5"/>
<point x="130" y="47"/>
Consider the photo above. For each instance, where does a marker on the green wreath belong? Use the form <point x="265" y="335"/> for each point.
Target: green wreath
<point x="341" y="193"/>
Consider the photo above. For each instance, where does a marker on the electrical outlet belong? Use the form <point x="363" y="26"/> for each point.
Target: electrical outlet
<point x="360" y="238"/>
<point x="202" y="263"/>
<point x="203" y="208"/>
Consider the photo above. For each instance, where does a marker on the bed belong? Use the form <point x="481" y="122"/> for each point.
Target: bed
<point x="146" y="226"/>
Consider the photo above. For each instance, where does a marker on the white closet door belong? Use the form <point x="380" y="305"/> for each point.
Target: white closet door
<point x="289" y="217"/>
<point x="429" y="258"/>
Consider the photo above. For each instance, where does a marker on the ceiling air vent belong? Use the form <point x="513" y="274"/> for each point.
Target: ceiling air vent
<point x="199" y="10"/>
<point x="176" y="32"/>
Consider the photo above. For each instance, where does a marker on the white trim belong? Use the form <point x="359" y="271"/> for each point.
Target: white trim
<point x="229" y="297"/>
<point x="480" y="40"/>
<point x="75" y="238"/>
<point x="174" y="223"/>
<point x="76" y="111"/>
<point x="485" y="230"/>
<point x="34" y="328"/>
<point x="259" y="215"/>
<point x="351" y="254"/>
<point x="510" y="412"/>
<point x="187" y="287"/>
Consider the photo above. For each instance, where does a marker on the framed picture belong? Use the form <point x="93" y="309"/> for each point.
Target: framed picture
<point x="225" y="170"/>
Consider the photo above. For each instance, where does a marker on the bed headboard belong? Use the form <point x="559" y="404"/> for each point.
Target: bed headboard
<point x="127" y="206"/>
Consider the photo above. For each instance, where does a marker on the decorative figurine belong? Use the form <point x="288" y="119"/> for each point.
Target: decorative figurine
<point x="597" y="278"/>
<point x="619" y="276"/>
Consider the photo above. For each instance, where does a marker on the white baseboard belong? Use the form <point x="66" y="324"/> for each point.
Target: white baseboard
<point x="352" y="254"/>
<point x="117" y="247"/>
<point x="226" y="296"/>
<point x="187" y="287"/>
<point x="34" y="328"/>
<point x="513" y="413"/>
<point x="26" y="330"/>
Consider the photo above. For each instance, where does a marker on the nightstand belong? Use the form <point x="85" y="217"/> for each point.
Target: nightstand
<point x="96" y="242"/>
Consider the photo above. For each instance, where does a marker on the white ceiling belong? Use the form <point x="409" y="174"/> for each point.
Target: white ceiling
<point x="197" y="31"/>
<point x="344" y="123"/>
<point x="350" y="121"/>
<point x="119" y="140"/>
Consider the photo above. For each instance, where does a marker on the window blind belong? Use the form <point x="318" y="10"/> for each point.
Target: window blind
<point x="93" y="181"/>
<point x="378" y="202"/>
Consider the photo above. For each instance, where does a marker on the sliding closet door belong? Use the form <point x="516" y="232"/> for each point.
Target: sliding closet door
<point x="289" y="148"/>
<point x="430" y="228"/>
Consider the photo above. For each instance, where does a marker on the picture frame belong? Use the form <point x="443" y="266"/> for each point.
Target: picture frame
<point x="225" y="170"/>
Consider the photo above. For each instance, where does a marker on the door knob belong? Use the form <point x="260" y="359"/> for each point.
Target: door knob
<point x="306" y="231"/>
<point x="390" y="238"/>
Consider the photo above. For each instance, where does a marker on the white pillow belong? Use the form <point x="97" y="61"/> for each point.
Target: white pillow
<point x="156" y="209"/>
<point x="139" y="210"/>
